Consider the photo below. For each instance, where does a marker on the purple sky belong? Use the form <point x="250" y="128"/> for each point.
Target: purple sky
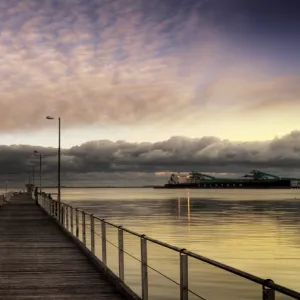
<point x="143" y="71"/>
<point x="147" y="70"/>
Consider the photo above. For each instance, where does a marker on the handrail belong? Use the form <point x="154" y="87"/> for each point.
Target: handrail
<point x="246" y="275"/>
<point x="268" y="285"/>
<point x="6" y="197"/>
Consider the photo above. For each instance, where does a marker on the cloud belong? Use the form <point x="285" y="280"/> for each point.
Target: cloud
<point x="122" y="62"/>
<point x="184" y="153"/>
<point x="107" y="161"/>
<point x="108" y="61"/>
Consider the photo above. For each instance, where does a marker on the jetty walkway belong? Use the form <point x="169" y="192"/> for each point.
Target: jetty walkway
<point x="39" y="261"/>
<point x="55" y="251"/>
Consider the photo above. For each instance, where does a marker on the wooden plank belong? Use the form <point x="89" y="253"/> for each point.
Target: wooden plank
<point x="39" y="261"/>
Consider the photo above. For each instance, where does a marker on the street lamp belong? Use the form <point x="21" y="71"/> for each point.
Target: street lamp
<point x="37" y="153"/>
<point x="58" y="154"/>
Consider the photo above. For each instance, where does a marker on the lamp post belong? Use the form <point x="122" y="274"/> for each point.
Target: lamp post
<point x="59" y="156"/>
<point x="32" y="166"/>
<point x="37" y="153"/>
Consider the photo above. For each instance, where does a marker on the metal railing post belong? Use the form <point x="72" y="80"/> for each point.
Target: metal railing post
<point x="103" y="231"/>
<point x="92" y="220"/>
<point x="144" y="268"/>
<point x="61" y="214"/>
<point x="184" y="279"/>
<point x="77" y="222"/>
<point x="72" y="221"/>
<point x="268" y="293"/>
<point x="67" y="217"/>
<point x="56" y="211"/>
<point x="121" y="252"/>
<point x="83" y="228"/>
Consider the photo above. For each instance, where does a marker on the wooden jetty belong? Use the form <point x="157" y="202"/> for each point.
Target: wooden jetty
<point x="48" y="251"/>
<point x="39" y="261"/>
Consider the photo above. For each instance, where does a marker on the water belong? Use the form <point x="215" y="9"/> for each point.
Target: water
<point x="256" y="231"/>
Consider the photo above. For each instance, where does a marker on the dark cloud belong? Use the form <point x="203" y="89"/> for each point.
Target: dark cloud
<point x="270" y="16"/>
<point x="103" y="161"/>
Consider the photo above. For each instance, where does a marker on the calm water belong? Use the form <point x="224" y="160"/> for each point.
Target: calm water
<point x="257" y="231"/>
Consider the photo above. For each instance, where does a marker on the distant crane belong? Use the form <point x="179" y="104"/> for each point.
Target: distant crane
<point x="258" y="175"/>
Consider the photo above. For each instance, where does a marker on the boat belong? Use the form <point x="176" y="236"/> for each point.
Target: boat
<point x="252" y="180"/>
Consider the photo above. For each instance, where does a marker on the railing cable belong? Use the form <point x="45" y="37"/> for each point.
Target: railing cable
<point x="258" y="280"/>
<point x="149" y="266"/>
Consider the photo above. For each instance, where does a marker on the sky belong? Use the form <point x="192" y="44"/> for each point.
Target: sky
<point x="130" y="75"/>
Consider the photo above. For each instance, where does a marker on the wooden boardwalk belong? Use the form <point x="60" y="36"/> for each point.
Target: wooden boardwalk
<point x="39" y="261"/>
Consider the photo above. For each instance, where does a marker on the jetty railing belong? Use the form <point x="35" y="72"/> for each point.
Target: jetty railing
<point x="4" y="198"/>
<point x="192" y="279"/>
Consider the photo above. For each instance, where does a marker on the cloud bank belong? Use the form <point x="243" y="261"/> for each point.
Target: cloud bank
<point x="103" y="161"/>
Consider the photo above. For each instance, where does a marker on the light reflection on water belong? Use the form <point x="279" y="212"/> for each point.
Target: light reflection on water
<point x="256" y="231"/>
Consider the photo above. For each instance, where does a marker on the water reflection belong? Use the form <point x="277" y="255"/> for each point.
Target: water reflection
<point x="180" y="202"/>
<point x="256" y="231"/>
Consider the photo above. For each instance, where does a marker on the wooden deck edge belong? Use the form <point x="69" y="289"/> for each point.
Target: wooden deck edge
<point x="125" y="290"/>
